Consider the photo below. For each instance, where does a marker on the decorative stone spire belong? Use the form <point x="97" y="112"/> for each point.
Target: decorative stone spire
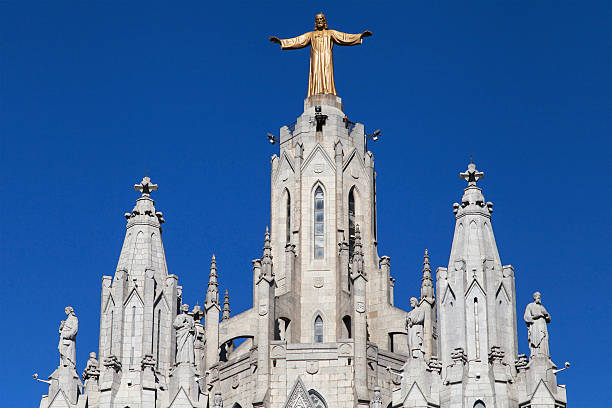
<point x="212" y="293"/>
<point x="142" y="248"/>
<point x="357" y="268"/>
<point x="266" y="259"/>
<point x="427" y="291"/>
<point x="226" y="307"/>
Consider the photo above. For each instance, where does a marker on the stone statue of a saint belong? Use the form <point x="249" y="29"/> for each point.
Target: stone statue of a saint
<point x="67" y="342"/>
<point x="414" y="326"/>
<point x="537" y="319"/>
<point x="321" y="41"/>
<point x="185" y="336"/>
<point x="92" y="369"/>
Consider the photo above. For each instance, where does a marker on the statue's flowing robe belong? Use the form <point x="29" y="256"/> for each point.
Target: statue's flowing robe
<point x="415" y="331"/>
<point x="321" y="78"/>
<point x="185" y="338"/>
<point x="536" y="319"/>
<point x="67" y="341"/>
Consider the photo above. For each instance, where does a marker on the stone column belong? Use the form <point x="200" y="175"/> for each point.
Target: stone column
<point x="265" y="331"/>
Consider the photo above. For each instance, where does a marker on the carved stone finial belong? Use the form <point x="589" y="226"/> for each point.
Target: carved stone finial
<point x="266" y="259"/>
<point x="212" y="292"/>
<point x="145" y="186"/>
<point x="226" y="307"/>
<point x="471" y="175"/>
<point x="427" y="291"/>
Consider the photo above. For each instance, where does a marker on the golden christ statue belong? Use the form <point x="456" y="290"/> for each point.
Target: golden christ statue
<point x="321" y="40"/>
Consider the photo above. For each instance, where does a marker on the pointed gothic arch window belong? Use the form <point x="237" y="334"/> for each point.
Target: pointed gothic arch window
<point x="479" y="404"/>
<point x="317" y="399"/>
<point x="288" y="217"/>
<point x="318" y="329"/>
<point x="346" y="327"/>
<point x="351" y="221"/>
<point x="319" y="224"/>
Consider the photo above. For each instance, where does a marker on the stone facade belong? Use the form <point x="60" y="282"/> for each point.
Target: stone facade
<point x="323" y="330"/>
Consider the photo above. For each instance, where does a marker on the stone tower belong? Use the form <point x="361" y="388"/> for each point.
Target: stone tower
<point x="323" y="331"/>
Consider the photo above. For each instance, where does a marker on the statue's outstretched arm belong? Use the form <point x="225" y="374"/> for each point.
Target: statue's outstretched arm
<point x="294" y="43"/>
<point x="341" y="38"/>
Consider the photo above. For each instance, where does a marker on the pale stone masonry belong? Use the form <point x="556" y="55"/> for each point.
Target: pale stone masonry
<point x="323" y="330"/>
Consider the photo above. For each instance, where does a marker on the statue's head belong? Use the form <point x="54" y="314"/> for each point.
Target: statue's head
<point x="92" y="355"/>
<point x="320" y="22"/>
<point x="184" y="308"/>
<point x="413" y="302"/>
<point x="537" y="297"/>
<point x="68" y="310"/>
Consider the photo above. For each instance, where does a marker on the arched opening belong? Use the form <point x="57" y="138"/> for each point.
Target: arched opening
<point x="317" y="399"/>
<point x="288" y="218"/>
<point x="318" y="330"/>
<point x="346" y="328"/>
<point x="282" y="329"/>
<point x="479" y="404"/>
<point x="236" y="405"/>
<point x="234" y="347"/>
<point x="351" y="221"/>
<point x="319" y="224"/>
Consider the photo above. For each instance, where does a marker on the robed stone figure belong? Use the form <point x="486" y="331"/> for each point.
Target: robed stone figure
<point x="185" y="336"/>
<point x="414" y="325"/>
<point x="537" y="318"/>
<point x="67" y="342"/>
<point x="321" y="41"/>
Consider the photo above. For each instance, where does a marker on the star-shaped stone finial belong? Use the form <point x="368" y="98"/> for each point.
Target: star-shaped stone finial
<point x="471" y="175"/>
<point x="145" y="186"/>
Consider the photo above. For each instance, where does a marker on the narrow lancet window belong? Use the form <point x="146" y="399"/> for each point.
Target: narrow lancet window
<point x="476" y="329"/>
<point x="319" y="224"/>
<point x="351" y="221"/>
<point x="318" y="330"/>
<point x="288" y="226"/>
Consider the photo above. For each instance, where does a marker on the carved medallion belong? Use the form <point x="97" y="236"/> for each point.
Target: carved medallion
<point x="312" y="367"/>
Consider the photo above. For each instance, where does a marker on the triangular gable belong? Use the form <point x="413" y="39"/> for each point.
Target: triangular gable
<point x="415" y="396"/>
<point x="502" y="293"/>
<point x="350" y="158"/>
<point x="298" y="398"/>
<point x="542" y="394"/>
<point x="133" y="293"/>
<point x="449" y="294"/>
<point x="181" y="400"/>
<point x="318" y="149"/>
<point x="475" y="286"/>
<point x="60" y="400"/>
<point x="161" y="299"/>
<point x="285" y="160"/>
<point x="109" y="302"/>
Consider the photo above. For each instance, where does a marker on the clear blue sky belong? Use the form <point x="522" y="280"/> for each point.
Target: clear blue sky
<point x="94" y="94"/>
